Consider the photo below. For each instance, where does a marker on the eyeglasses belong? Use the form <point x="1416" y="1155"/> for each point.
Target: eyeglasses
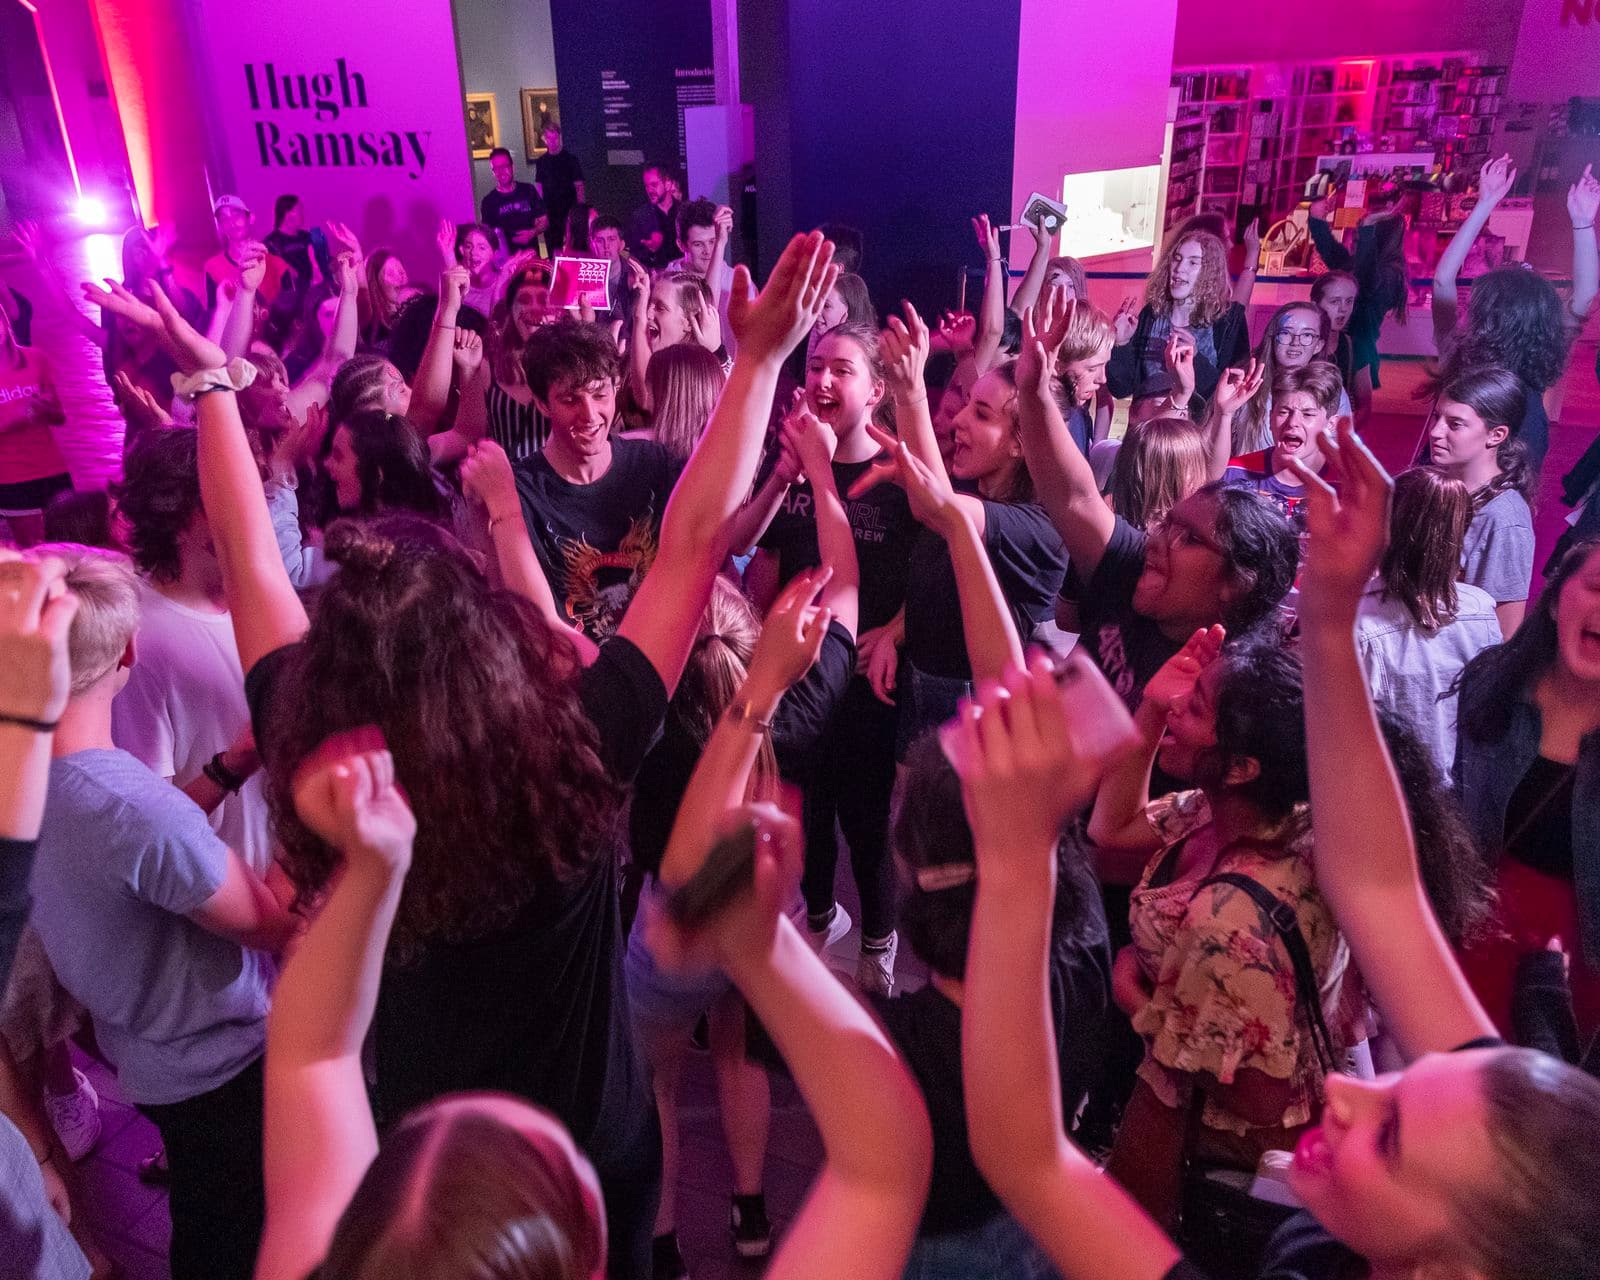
<point x="1178" y="533"/>
<point x="1297" y="337"/>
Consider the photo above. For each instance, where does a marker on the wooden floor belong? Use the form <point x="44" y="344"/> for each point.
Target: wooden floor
<point x="130" y="1219"/>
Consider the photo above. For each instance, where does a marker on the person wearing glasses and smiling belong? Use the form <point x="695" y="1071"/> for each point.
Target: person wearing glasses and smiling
<point x="1222" y="555"/>
<point x="1295" y="336"/>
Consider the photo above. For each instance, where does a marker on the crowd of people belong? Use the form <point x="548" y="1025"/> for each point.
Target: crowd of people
<point x="458" y="704"/>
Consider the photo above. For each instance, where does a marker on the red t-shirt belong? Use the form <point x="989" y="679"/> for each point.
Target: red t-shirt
<point x="27" y="445"/>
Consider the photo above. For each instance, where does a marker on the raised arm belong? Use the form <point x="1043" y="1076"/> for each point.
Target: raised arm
<point x="317" y="385"/>
<point x="861" y="1214"/>
<point x="430" y="388"/>
<point x="814" y="442"/>
<point x="1061" y="474"/>
<point x="1235" y="389"/>
<point x="791" y="636"/>
<point x="986" y="622"/>
<point x="1245" y="285"/>
<point x="1032" y="281"/>
<point x="1366" y="853"/>
<point x="757" y="514"/>
<point x="1494" y="182"/>
<point x="665" y="613"/>
<point x="1118" y="825"/>
<point x="486" y="478"/>
<point x="240" y="325"/>
<point x="992" y="311"/>
<point x="1328" y="246"/>
<point x="27" y="236"/>
<point x="723" y="223"/>
<point x="319" y="1136"/>
<point x="639" y="332"/>
<point x="1027" y="762"/>
<point x="267" y="613"/>
<point x="1583" y="202"/>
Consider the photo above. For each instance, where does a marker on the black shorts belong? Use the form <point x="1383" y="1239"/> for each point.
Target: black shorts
<point x="29" y="497"/>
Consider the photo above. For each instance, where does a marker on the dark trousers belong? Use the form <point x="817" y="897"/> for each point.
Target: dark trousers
<point x="214" y="1149"/>
<point x="852" y="786"/>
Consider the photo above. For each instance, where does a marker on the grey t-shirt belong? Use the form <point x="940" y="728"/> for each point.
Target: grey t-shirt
<point x="1497" y="554"/>
<point x="123" y="857"/>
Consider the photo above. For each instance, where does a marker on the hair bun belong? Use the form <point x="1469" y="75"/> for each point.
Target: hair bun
<point x="358" y="545"/>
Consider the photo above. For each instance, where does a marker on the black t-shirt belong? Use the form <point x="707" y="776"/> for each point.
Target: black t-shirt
<point x="1539" y="818"/>
<point x="647" y="220"/>
<point x="881" y="523"/>
<point x="1029" y="563"/>
<point x="1126" y="646"/>
<point x="597" y="541"/>
<point x="537" y="1009"/>
<point x="558" y="175"/>
<point x="926" y="1026"/>
<point x="797" y="726"/>
<point x="16" y="866"/>
<point x="512" y="211"/>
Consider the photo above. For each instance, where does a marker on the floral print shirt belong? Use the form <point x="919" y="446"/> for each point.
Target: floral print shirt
<point x="1224" y="986"/>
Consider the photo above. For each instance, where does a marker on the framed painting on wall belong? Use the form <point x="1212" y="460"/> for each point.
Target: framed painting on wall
<point x="483" y="125"/>
<point x="539" y="112"/>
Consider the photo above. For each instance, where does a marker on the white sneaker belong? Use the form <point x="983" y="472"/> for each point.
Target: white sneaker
<point x="875" y="969"/>
<point x="75" y="1117"/>
<point x="826" y="939"/>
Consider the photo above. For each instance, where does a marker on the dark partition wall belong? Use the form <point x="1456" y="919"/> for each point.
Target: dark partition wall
<point x="625" y="69"/>
<point x="896" y="118"/>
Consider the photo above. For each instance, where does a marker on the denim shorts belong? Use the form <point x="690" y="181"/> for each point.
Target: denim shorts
<point x="998" y="1249"/>
<point x="662" y="1003"/>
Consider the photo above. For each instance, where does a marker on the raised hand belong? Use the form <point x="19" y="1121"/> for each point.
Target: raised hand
<point x="1044" y="329"/>
<point x="1321" y="206"/>
<point x="1583" y="200"/>
<point x="487" y="479"/>
<point x="933" y="501"/>
<point x="811" y="440"/>
<point x="790" y="637"/>
<point x="343" y="240"/>
<point x="1179" y="358"/>
<point x="468" y="353"/>
<point x="770" y="325"/>
<point x="1496" y="180"/>
<point x="252" y="266"/>
<point x="705" y="327"/>
<point x="1175" y="679"/>
<point x="36" y="611"/>
<point x="1030" y="753"/>
<point x="346" y="273"/>
<point x="1237" y="387"/>
<point x="1125" y="322"/>
<point x="958" y="330"/>
<point x="140" y="409"/>
<point x="988" y="238"/>
<point x="453" y="282"/>
<point x="723" y="222"/>
<point x="903" y="346"/>
<point x="119" y="302"/>
<point x="639" y="282"/>
<point x="1252" y="245"/>
<point x="1347" y="519"/>
<point x="747" y="927"/>
<point x="29" y="238"/>
<point x="346" y="794"/>
<point x="446" y="240"/>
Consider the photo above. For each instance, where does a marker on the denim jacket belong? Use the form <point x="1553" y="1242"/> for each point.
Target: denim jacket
<point x="1487" y="773"/>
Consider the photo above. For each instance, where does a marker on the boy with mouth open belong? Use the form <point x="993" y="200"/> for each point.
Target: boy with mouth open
<point x="1305" y="403"/>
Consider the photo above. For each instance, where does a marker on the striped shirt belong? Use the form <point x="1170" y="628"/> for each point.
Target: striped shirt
<point x="520" y="429"/>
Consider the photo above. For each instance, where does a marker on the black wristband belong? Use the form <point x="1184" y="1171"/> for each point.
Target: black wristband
<point x="223" y="776"/>
<point x="25" y="722"/>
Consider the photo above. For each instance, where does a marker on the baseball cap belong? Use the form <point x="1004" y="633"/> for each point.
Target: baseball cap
<point x="230" y="202"/>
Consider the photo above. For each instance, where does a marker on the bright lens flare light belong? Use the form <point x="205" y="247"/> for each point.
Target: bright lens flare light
<point x="89" y="210"/>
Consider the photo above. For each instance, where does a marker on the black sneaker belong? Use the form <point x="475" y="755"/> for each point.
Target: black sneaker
<point x="752" y="1233"/>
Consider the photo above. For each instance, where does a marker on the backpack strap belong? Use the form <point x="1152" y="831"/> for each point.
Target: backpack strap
<point x="1287" y="926"/>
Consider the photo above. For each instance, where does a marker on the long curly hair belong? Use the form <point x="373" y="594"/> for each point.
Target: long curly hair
<point x="1213" y="291"/>
<point x="477" y="697"/>
<point x="1515" y="319"/>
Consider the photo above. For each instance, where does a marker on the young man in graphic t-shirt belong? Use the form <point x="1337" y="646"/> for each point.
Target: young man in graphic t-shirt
<point x="32" y="470"/>
<point x="593" y="505"/>
<point x="513" y="208"/>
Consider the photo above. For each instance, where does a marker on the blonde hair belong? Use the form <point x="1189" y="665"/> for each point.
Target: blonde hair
<point x="108" y="608"/>
<point x="1213" y="291"/>
<point x="690" y="292"/>
<point x="717" y="666"/>
<point x="685" y="381"/>
<point x="1088" y="330"/>
<point x="1161" y="462"/>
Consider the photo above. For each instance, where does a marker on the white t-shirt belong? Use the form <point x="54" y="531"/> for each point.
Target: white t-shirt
<point x="183" y="703"/>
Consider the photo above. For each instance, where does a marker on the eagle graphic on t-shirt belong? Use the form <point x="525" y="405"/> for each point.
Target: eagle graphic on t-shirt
<point x="600" y="584"/>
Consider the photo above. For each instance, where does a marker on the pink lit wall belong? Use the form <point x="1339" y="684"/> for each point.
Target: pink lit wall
<point x="1558" y="51"/>
<point x="356" y="107"/>
<point x="1092" y="87"/>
